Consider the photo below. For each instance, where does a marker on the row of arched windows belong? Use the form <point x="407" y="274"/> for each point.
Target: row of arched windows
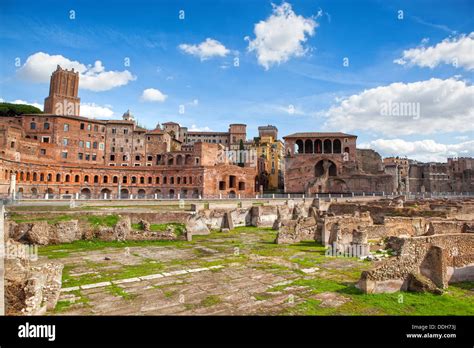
<point x="319" y="146"/>
<point x="105" y="179"/>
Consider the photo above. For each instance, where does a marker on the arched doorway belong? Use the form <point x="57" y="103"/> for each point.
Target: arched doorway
<point x="232" y="194"/>
<point x="86" y="193"/>
<point x="171" y="193"/>
<point x="141" y="194"/>
<point x="105" y="194"/>
<point x="124" y="194"/>
<point x="324" y="166"/>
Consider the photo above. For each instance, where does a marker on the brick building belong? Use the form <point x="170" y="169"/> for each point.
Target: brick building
<point x="65" y="155"/>
<point x="330" y="163"/>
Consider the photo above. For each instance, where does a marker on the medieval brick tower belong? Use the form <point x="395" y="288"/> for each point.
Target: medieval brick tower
<point x="63" y="89"/>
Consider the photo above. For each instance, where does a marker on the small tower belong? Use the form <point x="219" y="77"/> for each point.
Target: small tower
<point x="63" y="90"/>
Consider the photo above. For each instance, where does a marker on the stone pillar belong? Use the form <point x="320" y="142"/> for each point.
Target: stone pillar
<point x="13" y="186"/>
<point x="2" y="259"/>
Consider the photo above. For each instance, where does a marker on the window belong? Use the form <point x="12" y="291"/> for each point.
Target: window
<point x="81" y="143"/>
<point x="66" y="127"/>
<point x="94" y="145"/>
<point x="124" y="157"/>
<point x="88" y="157"/>
<point x="89" y="127"/>
<point x="114" y="131"/>
<point x="150" y="158"/>
<point x="96" y="128"/>
<point x="82" y="125"/>
<point x="112" y="157"/>
<point x="32" y="125"/>
<point x="46" y="125"/>
<point x="45" y="139"/>
<point x="94" y="157"/>
<point x="64" y="154"/>
<point x="137" y="157"/>
<point x="88" y="144"/>
<point x="43" y="151"/>
<point x="125" y="131"/>
<point x="65" y="141"/>
<point x="80" y="156"/>
<point x="101" y="146"/>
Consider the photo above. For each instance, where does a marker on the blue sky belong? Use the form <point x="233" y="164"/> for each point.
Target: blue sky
<point x="291" y="73"/>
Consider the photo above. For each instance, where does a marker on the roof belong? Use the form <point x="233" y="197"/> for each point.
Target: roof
<point x="207" y="133"/>
<point x="174" y="123"/>
<point x="319" y="135"/>
<point x="155" y="131"/>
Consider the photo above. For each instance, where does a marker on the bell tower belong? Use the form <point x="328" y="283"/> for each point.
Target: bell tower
<point x="63" y="90"/>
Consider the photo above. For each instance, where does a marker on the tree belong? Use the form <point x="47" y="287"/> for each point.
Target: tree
<point x="8" y="109"/>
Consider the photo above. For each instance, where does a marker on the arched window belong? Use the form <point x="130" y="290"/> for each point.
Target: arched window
<point x="336" y="146"/>
<point x="327" y="146"/>
<point x="308" y="146"/>
<point x="58" y="177"/>
<point x="68" y="178"/>
<point x="115" y="180"/>
<point x="134" y="179"/>
<point x="299" y="146"/>
<point x="105" y="179"/>
<point x="318" y="146"/>
<point x="86" y="178"/>
<point x="76" y="178"/>
<point x="96" y="179"/>
<point x="157" y="180"/>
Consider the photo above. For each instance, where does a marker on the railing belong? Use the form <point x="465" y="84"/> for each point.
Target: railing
<point x="266" y="196"/>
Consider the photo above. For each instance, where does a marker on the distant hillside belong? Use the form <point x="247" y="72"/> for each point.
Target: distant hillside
<point x="8" y="109"/>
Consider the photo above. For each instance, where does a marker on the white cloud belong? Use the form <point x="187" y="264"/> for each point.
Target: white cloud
<point x="281" y="36"/>
<point x="92" y="110"/>
<point x="195" y="128"/>
<point x="422" y="150"/>
<point x="457" y="51"/>
<point x="153" y="95"/>
<point x="19" y="101"/>
<point x="39" y="67"/>
<point x="423" y="107"/>
<point x="206" y="49"/>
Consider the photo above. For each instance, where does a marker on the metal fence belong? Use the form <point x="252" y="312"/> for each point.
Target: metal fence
<point x="267" y="196"/>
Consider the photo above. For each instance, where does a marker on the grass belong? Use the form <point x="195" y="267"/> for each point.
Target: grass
<point x="118" y="291"/>
<point x="93" y="220"/>
<point x="102" y="220"/>
<point x="179" y="228"/>
<point x="57" y="251"/>
<point x="147" y="267"/>
<point x="62" y="306"/>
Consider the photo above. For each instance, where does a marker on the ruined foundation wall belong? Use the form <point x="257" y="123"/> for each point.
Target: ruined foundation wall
<point x="443" y="259"/>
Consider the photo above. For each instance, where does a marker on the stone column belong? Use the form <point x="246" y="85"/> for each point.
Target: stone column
<point x="13" y="186"/>
<point x="2" y="260"/>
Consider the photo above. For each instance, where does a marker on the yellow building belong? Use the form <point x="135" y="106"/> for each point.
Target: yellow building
<point x="270" y="149"/>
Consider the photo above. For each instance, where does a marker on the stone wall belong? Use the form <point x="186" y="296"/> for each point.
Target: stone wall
<point x="31" y="287"/>
<point x="440" y="259"/>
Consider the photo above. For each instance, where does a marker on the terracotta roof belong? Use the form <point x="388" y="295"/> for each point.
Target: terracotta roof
<point x="155" y="131"/>
<point x="319" y="135"/>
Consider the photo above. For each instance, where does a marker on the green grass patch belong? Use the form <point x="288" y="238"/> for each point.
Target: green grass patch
<point x="64" y="305"/>
<point x="102" y="220"/>
<point x="149" y="266"/>
<point x="118" y="291"/>
<point x="210" y="301"/>
<point x="64" y="250"/>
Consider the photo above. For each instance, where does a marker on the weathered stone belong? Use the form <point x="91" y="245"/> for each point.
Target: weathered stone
<point x="144" y="225"/>
<point x="122" y="228"/>
<point x="420" y="283"/>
